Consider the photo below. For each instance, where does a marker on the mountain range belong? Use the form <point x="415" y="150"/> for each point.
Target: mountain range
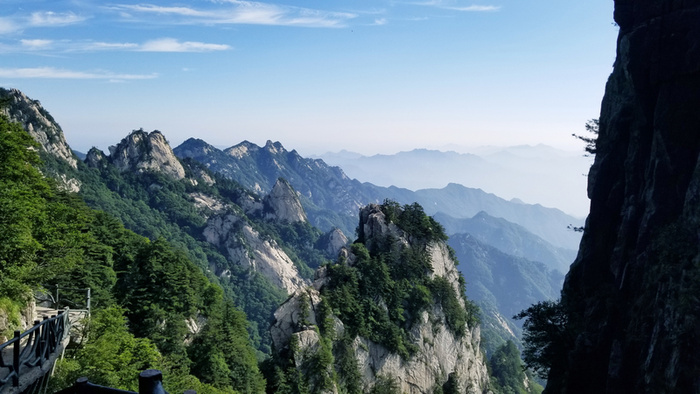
<point x="259" y="220"/>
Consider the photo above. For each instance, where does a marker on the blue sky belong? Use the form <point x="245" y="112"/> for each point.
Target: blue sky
<point x="367" y="76"/>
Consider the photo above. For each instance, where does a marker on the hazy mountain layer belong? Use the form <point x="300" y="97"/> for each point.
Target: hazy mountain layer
<point x="535" y="174"/>
<point x="509" y="238"/>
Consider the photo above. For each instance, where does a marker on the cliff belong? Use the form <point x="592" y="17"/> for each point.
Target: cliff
<point x="39" y="124"/>
<point x="631" y="296"/>
<point x="371" y="322"/>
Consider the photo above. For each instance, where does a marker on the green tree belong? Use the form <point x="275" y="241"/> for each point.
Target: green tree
<point x="545" y="336"/>
<point x="507" y="369"/>
<point x="113" y="357"/>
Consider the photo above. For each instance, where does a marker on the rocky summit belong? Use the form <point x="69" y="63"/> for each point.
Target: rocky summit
<point x="142" y="151"/>
<point x="307" y="329"/>
<point x="631" y="295"/>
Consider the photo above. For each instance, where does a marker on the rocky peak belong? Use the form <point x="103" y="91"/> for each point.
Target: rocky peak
<point x="283" y="205"/>
<point x="142" y="151"/>
<point x="274" y="147"/>
<point x="95" y="158"/>
<point x="194" y="147"/>
<point x="307" y="329"/>
<point x="241" y="150"/>
<point x="39" y="124"/>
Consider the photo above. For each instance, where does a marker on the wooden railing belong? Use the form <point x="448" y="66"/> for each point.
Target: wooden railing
<point x="32" y="349"/>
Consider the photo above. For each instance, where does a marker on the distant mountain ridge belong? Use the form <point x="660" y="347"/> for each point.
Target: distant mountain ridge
<point x="535" y="174"/>
<point x="329" y="196"/>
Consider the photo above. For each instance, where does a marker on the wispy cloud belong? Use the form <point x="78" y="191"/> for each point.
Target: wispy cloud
<point x="156" y="45"/>
<point x="36" y="44"/>
<point x="50" y="18"/>
<point x="240" y="12"/>
<point x="475" y="8"/>
<point x="380" y="22"/>
<point x="173" y="45"/>
<point x="55" y="73"/>
<point x="7" y="25"/>
<point x="451" y="5"/>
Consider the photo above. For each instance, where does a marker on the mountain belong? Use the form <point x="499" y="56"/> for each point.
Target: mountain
<point x="502" y="285"/>
<point x="509" y="238"/>
<point x="540" y="173"/>
<point x="379" y="319"/>
<point x="330" y="198"/>
<point x="628" y="318"/>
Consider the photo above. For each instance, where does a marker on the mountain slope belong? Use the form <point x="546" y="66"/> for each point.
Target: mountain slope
<point x="503" y="285"/>
<point x="509" y="238"/>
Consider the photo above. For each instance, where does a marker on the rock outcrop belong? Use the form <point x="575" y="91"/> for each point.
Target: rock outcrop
<point x="440" y="354"/>
<point x="40" y="125"/>
<point x="142" y="151"/>
<point x="283" y="205"/>
<point x="332" y="243"/>
<point x="631" y="296"/>
<point x="245" y="246"/>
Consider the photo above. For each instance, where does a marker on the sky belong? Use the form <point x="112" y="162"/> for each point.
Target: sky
<point x="378" y="76"/>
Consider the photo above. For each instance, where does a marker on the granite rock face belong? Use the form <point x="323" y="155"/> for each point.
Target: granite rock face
<point x="39" y="124"/>
<point x="283" y="205"/>
<point x="246" y="247"/>
<point x="142" y="151"/>
<point x="632" y="295"/>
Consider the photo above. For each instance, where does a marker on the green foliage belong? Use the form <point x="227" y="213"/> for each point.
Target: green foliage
<point x="385" y="291"/>
<point x="221" y="353"/>
<point x="546" y="336"/>
<point x="592" y="127"/>
<point x="24" y="200"/>
<point x="113" y="357"/>
<point x="10" y="311"/>
<point x="455" y="315"/>
<point x="412" y="219"/>
<point x="507" y="370"/>
<point x="385" y="385"/>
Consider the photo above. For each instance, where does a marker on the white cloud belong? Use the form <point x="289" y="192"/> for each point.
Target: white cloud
<point x="36" y="44"/>
<point x="102" y="46"/>
<point x="380" y="22"/>
<point x="50" y="18"/>
<point x="244" y="12"/>
<point x="475" y="8"/>
<point x="7" y="25"/>
<point x="449" y="5"/>
<point x="173" y="45"/>
<point x="55" y="73"/>
<point x="150" y="8"/>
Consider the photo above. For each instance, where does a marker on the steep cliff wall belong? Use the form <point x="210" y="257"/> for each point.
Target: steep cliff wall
<point x="632" y="293"/>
